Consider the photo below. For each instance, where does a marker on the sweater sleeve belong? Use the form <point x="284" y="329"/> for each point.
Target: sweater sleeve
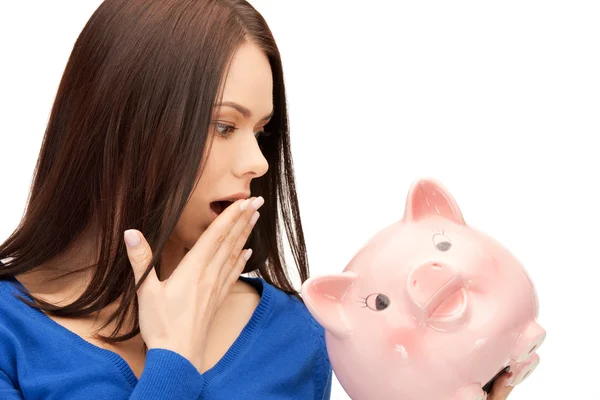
<point x="325" y="375"/>
<point x="166" y="375"/>
<point x="8" y="391"/>
<point x="327" y="389"/>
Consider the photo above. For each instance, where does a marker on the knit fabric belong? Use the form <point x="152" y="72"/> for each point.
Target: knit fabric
<point x="280" y="354"/>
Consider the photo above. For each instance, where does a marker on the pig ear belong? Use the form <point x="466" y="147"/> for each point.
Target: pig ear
<point x="324" y="298"/>
<point x="427" y="197"/>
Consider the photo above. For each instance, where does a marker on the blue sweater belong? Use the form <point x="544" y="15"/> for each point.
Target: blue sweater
<point x="280" y="354"/>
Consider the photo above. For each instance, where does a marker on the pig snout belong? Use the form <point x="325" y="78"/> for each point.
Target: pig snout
<point x="433" y="285"/>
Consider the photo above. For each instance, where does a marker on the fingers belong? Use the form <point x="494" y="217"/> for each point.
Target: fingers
<point x="228" y="253"/>
<point x="236" y="259"/>
<point x="139" y="254"/>
<point x="204" y="249"/>
<point x="500" y="390"/>
<point x="232" y="275"/>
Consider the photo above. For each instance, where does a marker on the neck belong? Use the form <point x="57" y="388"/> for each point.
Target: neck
<point x="67" y="275"/>
<point x="172" y="255"/>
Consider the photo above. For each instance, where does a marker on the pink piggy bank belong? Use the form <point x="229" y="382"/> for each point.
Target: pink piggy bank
<point x="428" y="309"/>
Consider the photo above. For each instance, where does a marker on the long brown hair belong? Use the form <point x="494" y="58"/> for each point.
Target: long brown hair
<point x="125" y="140"/>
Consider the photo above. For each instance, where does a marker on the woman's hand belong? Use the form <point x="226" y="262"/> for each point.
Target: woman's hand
<point x="500" y="391"/>
<point x="175" y="314"/>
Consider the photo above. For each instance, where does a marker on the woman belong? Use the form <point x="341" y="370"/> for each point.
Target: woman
<point x="168" y="133"/>
<point x="156" y="94"/>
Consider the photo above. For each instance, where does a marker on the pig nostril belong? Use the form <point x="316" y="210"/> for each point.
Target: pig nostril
<point x="415" y="283"/>
<point x="436" y="266"/>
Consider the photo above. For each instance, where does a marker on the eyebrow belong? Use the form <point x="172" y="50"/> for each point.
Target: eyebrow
<point x="242" y="110"/>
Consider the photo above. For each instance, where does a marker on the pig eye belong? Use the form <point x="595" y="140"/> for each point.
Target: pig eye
<point x="377" y="301"/>
<point x="441" y="242"/>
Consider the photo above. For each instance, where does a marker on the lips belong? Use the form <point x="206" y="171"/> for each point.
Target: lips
<point x="218" y="206"/>
<point x="438" y="295"/>
<point x="450" y="306"/>
<point x="445" y="298"/>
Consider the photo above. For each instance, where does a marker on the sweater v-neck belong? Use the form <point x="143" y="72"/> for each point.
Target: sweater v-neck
<point x="249" y="333"/>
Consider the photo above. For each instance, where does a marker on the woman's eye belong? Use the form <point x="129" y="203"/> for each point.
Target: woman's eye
<point x="223" y="129"/>
<point x="226" y="130"/>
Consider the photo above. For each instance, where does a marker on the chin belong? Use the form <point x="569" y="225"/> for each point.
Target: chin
<point x="191" y="240"/>
<point x="186" y="238"/>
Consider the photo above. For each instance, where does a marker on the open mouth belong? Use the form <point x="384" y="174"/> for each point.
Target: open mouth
<point x="451" y="306"/>
<point x="218" y="207"/>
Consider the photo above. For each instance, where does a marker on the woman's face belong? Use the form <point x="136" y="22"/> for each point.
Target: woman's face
<point x="234" y="158"/>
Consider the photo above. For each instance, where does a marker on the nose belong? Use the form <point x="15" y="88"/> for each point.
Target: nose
<point x="430" y="284"/>
<point x="250" y="161"/>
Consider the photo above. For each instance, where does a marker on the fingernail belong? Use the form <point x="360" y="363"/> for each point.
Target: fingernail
<point x="132" y="238"/>
<point x="244" y="204"/>
<point x="247" y="254"/>
<point x="254" y="218"/>
<point x="258" y="202"/>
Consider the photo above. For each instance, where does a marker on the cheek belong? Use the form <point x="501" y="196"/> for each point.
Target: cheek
<point x="404" y="343"/>
<point x="196" y="216"/>
<point x="193" y="221"/>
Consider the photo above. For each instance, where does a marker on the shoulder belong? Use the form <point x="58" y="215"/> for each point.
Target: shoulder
<point x="290" y="313"/>
<point x="296" y="334"/>
<point x="8" y="303"/>
<point x="13" y="317"/>
<point x="14" y="325"/>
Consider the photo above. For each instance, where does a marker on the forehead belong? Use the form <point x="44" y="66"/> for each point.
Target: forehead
<point x="249" y="81"/>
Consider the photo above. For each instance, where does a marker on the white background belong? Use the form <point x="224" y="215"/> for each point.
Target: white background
<point x="498" y="100"/>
